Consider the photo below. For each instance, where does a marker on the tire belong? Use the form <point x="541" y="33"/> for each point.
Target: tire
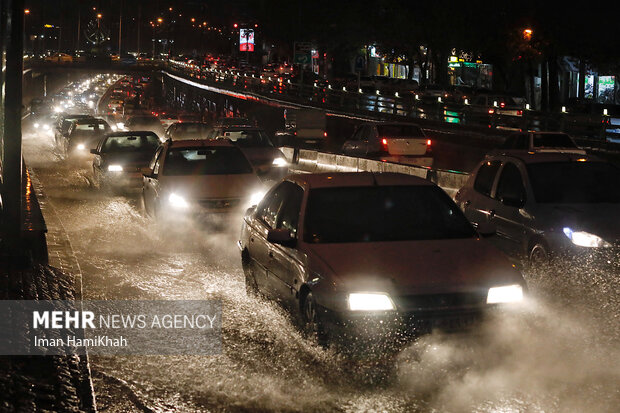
<point x="538" y="254"/>
<point x="312" y="326"/>
<point x="251" y="287"/>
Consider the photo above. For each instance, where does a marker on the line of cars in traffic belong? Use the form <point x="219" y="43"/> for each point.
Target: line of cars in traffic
<point x="356" y="256"/>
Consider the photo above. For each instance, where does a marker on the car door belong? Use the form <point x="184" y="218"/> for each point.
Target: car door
<point x="476" y="202"/>
<point x="508" y="219"/>
<point x="283" y="266"/>
<point x="150" y="184"/>
<point x="259" y="249"/>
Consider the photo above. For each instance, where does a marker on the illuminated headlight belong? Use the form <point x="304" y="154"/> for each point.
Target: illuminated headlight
<point x="505" y="294"/>
<point x="45" y="126"/>
<point x="57" y="109"/>
<point x="120" y="125"/>
<point x="279" y="162"/>
<point x="91" y="103"/>
<point x="256" y="197"/>
<point x="36" y="126"/>
<point x="370" y="302"/>
<point x="115" y="168"/>
<point x="80" y="147"/>
<point x="113" y="127"/>
<point x="177" y="201"/>
<point x="585" y="239"/>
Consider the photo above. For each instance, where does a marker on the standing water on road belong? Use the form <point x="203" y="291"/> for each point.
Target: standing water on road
<point x="561" y="352"/>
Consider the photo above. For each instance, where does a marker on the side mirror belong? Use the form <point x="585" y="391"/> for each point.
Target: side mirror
<point x="486" y="229"/>
<point x="281" y="236"/>
<point x="94" y="151"/>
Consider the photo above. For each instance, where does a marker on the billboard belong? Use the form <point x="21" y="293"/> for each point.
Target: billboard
<point x="246" y="40"/>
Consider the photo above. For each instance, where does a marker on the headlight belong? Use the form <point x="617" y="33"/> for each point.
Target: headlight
<point x="279" y="162"/>
<point x="80" y="146"/>
<point x="256" y="197"/>
<point x="46" y="127"/>
<point x="120" y="125"/>
<point x="91" y="103"/>
<point x="370" y="302"/>
<point x="505" y="294"/>
<point x="36" y="125"/>
<point x="113" y="127"/>
<point x="178" y="201"/>
<point x="57" y="109"/>
<point x="585" y="239"/>
<point x="115" y="168"/>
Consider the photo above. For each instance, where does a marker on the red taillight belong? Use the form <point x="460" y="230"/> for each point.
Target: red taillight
<point x="325" y="134"/>
<point x="428" y="142"/>
<point x="384" y="142"/>
<point x="519" y="112"/>
<point x="502" y="105"/>
<point x="491" y="111"/>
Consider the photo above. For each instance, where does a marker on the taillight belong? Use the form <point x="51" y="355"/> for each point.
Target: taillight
<point x="502" y="105"/>
<point x="384" y="144"/>
<point x="519" y="112"/>
<point x="428" y="142"/>
<point x="491" y="111"/>
<point x="325" y="134"/>
<point x="429" y="148"/>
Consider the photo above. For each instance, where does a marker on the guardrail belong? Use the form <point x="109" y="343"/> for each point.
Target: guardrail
<point x="590" y="130"/>
<point x="317" y="161"/>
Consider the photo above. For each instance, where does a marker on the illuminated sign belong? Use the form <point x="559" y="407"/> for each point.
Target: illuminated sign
<point x="246" y="40"/>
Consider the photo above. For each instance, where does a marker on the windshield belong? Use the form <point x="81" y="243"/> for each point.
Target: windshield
<point x="383" y="213"/>
<point x="131" y="143"/>
<point x="575" y="182"/>
<point x="90" y="127"/>
<point x="206" y="161"/>
<point x="247" y="138"/>
<point x="553" y="140"/>
<point x="398" y="131"/>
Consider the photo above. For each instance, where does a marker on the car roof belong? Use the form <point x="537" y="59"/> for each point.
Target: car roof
<point x="199" y="143"/>
<point x="351" y="179"/>
<point x="530" y="157"/>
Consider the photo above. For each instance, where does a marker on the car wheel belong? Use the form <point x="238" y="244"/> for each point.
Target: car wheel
<point x="251" y="287"/>
<point x="312" y="327"/>
<point x="538" y="254"/>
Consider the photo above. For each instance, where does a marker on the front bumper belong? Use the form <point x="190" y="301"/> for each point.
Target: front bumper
<point x="399" y="327"/>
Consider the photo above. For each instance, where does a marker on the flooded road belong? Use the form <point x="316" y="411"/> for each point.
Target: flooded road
<point x="560" y="353"/>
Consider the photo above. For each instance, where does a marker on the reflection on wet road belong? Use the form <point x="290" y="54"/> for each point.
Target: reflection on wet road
<point x="560" y="353"/>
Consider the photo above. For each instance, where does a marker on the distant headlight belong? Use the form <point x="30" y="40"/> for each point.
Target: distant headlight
<point x="505" y="294"/>
<point x="113" y="127"/>
<point x="120" y="125"/>
<point x="177" y="201"/>
<point x="370" y="302"/>
<point x="115" y="168"/>
<point x="45" y="126"/>
<point x="36" y="125"/>
<point x="91" y="103"/>
<point x="585" y="239"/>
<point x="256" y="197"/>
<point x="80" y="146"/>
<point x="57" y="109"/>
<point x="279" y="162"/>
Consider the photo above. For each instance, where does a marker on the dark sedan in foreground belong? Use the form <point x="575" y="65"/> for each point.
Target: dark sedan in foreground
<point x="351" y="254"/>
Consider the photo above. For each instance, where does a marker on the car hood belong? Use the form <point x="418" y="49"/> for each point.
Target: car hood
<point x="415" y="267"/>
<point x="138" y="158"/>
<point x="262" y="156"/>
<point x="599" y="219"/>
<point x="211" y="186"/>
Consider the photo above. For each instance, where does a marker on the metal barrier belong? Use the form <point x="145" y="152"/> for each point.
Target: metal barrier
<point x="316" y="161"/>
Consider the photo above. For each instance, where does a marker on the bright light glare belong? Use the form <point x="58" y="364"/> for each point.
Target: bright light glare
<point x="91" y="103"/>
<point x="57" y="109"/>
<point x="36" y="126"/>
<point x="505" y="294"/>
<point x="585" y="239"/>
<point x="115" y="168"/>
<point x="120" y="125"/>
<point x="256" y="197"/>
<point x="370" y="302"/>
<point x="177" y="201"/>
<point x="81" y="146"/>
<point x="279" y="162"/>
